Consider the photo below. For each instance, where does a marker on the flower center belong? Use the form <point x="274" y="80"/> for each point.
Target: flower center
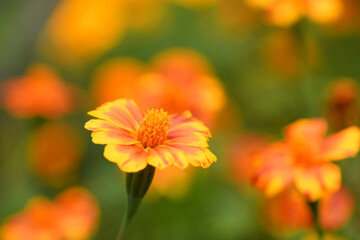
<point x="153" y="128"/>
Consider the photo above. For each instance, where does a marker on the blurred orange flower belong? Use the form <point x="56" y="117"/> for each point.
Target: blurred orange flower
<point x="72" y="216"/>
<point x="304" y="159"/>
<point x="342" y="100"/>
<point x="134" y="140"/>
<point x="287" y="213"/>
<point x="287" y="12"/>
<point x="347" y="23"/>
<point x="55" y="152"/>
<point x="40" y="92"/>
<point x="240" y="156"/>
<point x="77" y="213"/>
<point x="117" y="78"/>
<point x="82" y="29"/>
<point x="171" y="182"/>
<point x="335" y="209"/>
<point x="177" y="80"/>
<point x="36" y="222"/>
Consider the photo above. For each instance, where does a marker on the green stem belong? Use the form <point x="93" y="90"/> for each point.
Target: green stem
<point x="314" y="209"/>
<point x="137" y="184"/>
<point x="130" y="211"/>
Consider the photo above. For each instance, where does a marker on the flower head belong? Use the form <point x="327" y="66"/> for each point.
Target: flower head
<point x="304" y="159"/>
<point x="285" y="13"/>
<point x="176" y="79"/>
<point x="40" y="92"/>
<point x="73" y="215"/>
<point x="55" y="160"/>
<point x="134" y="140"/>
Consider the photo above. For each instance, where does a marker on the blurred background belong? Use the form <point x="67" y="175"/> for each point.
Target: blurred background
<point x="246" y="68"/>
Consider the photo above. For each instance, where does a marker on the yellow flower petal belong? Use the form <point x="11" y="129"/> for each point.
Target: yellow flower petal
<point x="123" y="113"/>
<point x="314" y="182"/>
<point x="128" y="158"/>
<point x="341" y="145"/>
<point x="113" y="137"/>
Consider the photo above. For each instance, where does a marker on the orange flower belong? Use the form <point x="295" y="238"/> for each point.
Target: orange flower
<point x="54" y="160"/>
<point x="39" y="93"/>
<point x="134" y="140"/>
<point x="72" y="216"/>
<point x="304" y="159"/>
<point x="77" y="213"/>
<point x="240" y="156"/>
<point x="287" y="12"/>
<point x="177" y="80"/>
<point x="287" y="213"/>
<point x="335" y="209"/>
<point x="36" y="222"/>
<point x="117" y="78"/>
<point x="342" y="102"/>
<point x="82" y="29"/>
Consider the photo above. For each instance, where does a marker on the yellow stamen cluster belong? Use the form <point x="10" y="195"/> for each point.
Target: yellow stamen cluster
<point x="153" y="128"/>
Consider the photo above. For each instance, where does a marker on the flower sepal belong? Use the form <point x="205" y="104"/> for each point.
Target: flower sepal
<point x="137" y="185"/>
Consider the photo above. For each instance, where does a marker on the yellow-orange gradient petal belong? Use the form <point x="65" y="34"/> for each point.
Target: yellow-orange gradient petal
<point x="163" y="156"/>
<point x="185" y="130"/>
<point x="335" y="209"/>
<point x="197" y="156"/>
<point x="305" y="136"/>
<point x="272" y="169"/>
<point x="123" y="113"/>
<point x="343" y="144"/>
<point x="129" y="158"/>
<point x="316" y="181"/>
<point x="107" y="133"/>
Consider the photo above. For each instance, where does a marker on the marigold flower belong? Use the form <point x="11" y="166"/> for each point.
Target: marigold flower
<point x="73" y="215"/>
<point x="335" y="209"/>
<point x="117" y="78"/>
<point x="56" y="159"/>
<point x="287" y="213"/>
<point x="178" y="80"/>
<point x="83" y="29"/>
<point x="240" y="155"/>
<point x="287" y="12"/>
<point x="134" y="140"/>
<point x="342" y="99"/>
<point x="40" y="92"/>
<point x="77" y="213"/>
<point x="36" y="222"/>
<point x="304" y="159"/>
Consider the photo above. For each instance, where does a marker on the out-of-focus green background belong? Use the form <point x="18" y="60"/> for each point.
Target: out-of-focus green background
<point x="263" y="99"/>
